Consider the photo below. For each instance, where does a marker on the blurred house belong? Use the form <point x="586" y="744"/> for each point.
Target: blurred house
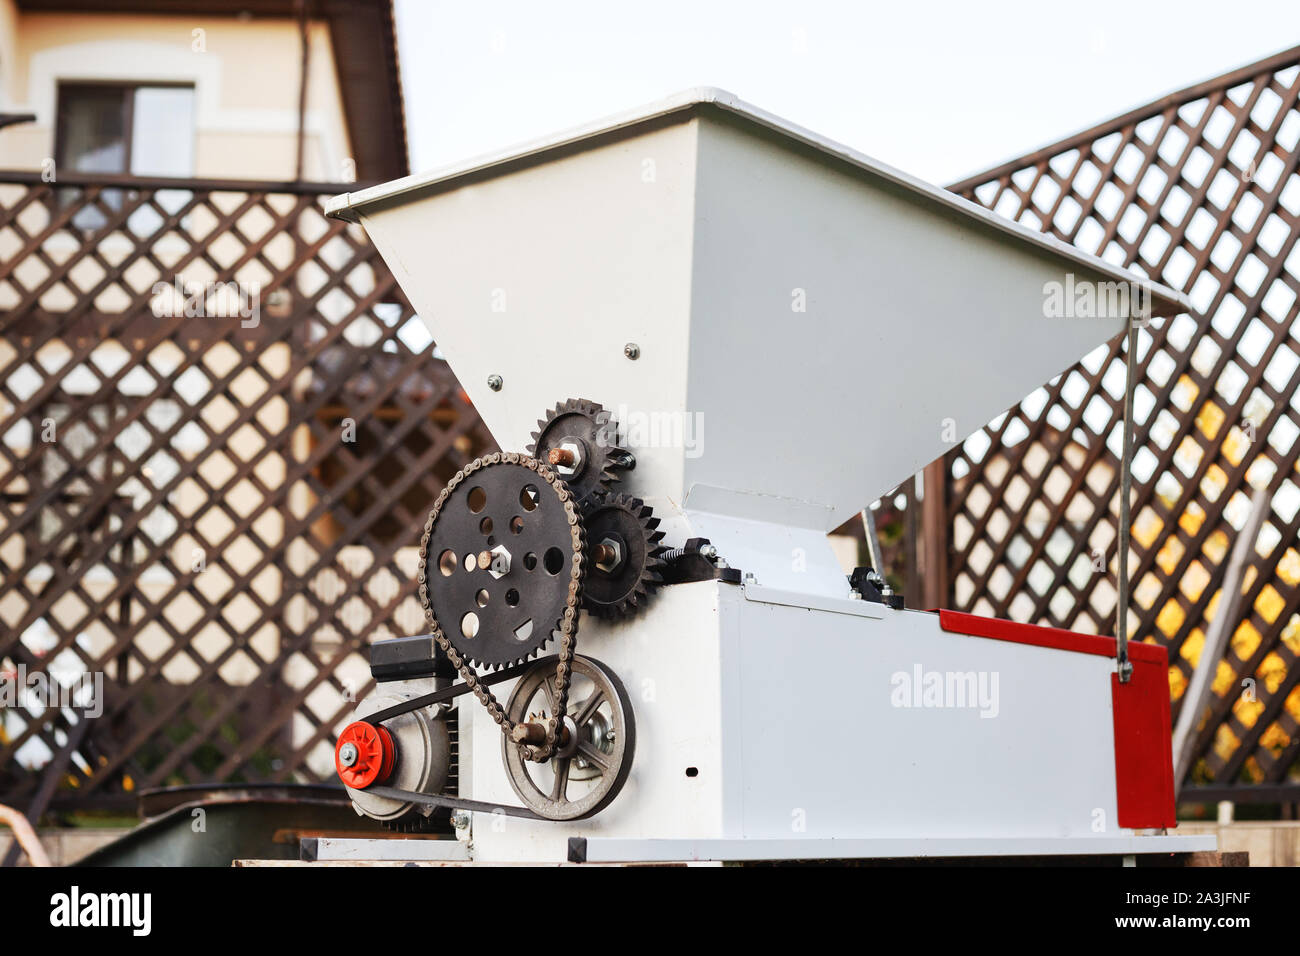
<point x="227" y="89"/>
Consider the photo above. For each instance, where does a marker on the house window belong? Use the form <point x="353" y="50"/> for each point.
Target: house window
<point x="124" y="129"/>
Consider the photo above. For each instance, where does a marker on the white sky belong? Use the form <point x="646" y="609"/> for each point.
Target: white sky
<point x="938" y="89"/>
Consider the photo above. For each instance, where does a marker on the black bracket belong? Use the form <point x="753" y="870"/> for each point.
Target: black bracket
<point x="863" y="580"/>
<point x="403" y="658"/>
<point x="687" y="565"/>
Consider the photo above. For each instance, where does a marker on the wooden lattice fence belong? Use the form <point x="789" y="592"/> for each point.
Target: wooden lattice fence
<point x="1201" y="191"/>
<point x="211" y="490"/>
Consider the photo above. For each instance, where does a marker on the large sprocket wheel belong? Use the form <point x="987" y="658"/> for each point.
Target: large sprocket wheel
<point x="502" y="559"/>
<point x="579" y="439"/>
<point x="624" y="548"/>
<point x="595" y="755"/>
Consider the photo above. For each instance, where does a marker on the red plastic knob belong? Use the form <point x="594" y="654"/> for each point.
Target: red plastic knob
<point x="375" y="755"/>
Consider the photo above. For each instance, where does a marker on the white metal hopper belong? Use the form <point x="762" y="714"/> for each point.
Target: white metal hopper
<point x="828" y="324"/>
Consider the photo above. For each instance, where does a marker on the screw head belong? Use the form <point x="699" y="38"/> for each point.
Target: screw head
<point x="495" y="382"/>
<point x="348" y="754"/>
<point x="632" y="351"/>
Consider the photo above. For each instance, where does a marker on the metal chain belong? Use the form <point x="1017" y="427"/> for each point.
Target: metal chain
<point x="568" y="623"/>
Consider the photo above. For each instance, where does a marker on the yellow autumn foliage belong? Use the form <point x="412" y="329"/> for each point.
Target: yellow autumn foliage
<point x="1210" y="420"/>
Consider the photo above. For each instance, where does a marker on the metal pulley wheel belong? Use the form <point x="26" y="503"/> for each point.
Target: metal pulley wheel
<point x="411" y="751"/>
<point x="594" y="756"/>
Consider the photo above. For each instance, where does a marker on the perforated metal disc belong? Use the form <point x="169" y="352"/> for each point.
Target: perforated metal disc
<point x="503" y="559"/>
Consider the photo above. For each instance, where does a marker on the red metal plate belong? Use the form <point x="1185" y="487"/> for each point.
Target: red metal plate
<point x="1144" y="765"/>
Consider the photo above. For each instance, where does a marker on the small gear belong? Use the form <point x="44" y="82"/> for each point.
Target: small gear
<point x="579" y="439"/>
<point x="625" y="556"/>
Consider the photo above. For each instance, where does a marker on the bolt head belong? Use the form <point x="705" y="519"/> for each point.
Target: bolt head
<point x="348" y="754"/>
<point x="498" y="562"/>
<point x="617" y="558"/>
<point x="632" y="351"/>
<point x="495" y="382"/>
<point x="570" y="455"/>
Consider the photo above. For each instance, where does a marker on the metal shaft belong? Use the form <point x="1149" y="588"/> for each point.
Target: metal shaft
<point x="1125" y="666"/>
<point x="873" y="540"/>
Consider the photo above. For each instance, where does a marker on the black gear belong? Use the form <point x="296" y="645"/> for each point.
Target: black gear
<point x="630" y="525"/>
<point x="592" y="429"/>
<point x="502" y="507"/>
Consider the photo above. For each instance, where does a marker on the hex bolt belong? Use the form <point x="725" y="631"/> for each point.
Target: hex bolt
<point x="348" y="754"/>
<point x="499" y="567"/>
<point x="495" y="382"/>
<point x="460" y="819"/>
<point x="562" y="457"/>
<point x="632" y="351"/>
<point x="607" y="555"/>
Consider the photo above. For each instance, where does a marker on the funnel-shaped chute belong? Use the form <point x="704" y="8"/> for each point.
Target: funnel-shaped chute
<point x="779" y="322"/>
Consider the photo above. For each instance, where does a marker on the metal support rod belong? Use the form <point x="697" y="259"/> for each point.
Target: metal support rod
<point x="873" y="541"/>
<point x="1124" y="665"/>
<point x="1216" y="639"/>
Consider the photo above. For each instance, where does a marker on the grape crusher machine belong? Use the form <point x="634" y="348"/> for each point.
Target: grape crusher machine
<point x="704" y="338"/>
